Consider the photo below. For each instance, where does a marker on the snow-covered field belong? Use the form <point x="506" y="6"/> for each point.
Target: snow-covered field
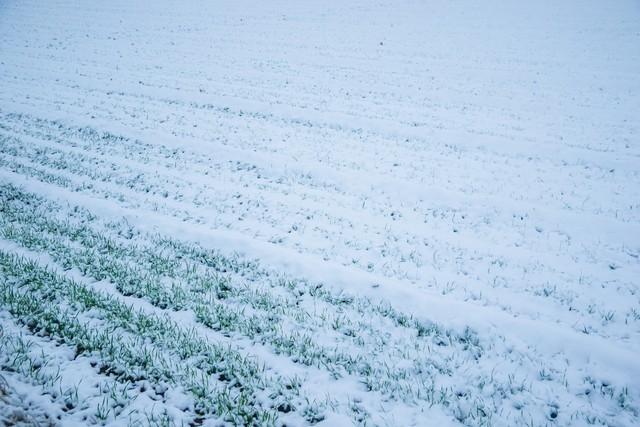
<point x="413" y="212"/>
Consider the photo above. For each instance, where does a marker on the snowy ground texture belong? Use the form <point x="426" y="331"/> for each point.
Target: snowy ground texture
<point x="325" y="212"/>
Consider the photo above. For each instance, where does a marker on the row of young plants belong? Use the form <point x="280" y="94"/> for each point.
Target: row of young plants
<point x="234" y="296"/>
<point x="83" y="176"/>
<point x="78" y="164"/>
<point x="87" y="154"/>
<point x="56" y="156"/>
<point x="240" y="298"/>
<point x="136" y="346"/>
<point x="221" y="302"/>
<point x="52" y="392"/>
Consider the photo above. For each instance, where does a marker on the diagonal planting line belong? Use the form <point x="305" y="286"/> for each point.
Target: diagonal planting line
<point x="375" y="374"/>
<point x="193" y="266"/>
<point x="170" y="274"/>
<point x="36" y="295"/>
<point x="174" y="265"/>
<point x="71" y="386"/>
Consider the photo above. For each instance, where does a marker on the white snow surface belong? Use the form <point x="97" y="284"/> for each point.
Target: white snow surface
<point x="473" y="164"/>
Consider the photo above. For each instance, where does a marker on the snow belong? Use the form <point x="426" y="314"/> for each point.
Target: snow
<point x="472" y="165"/>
